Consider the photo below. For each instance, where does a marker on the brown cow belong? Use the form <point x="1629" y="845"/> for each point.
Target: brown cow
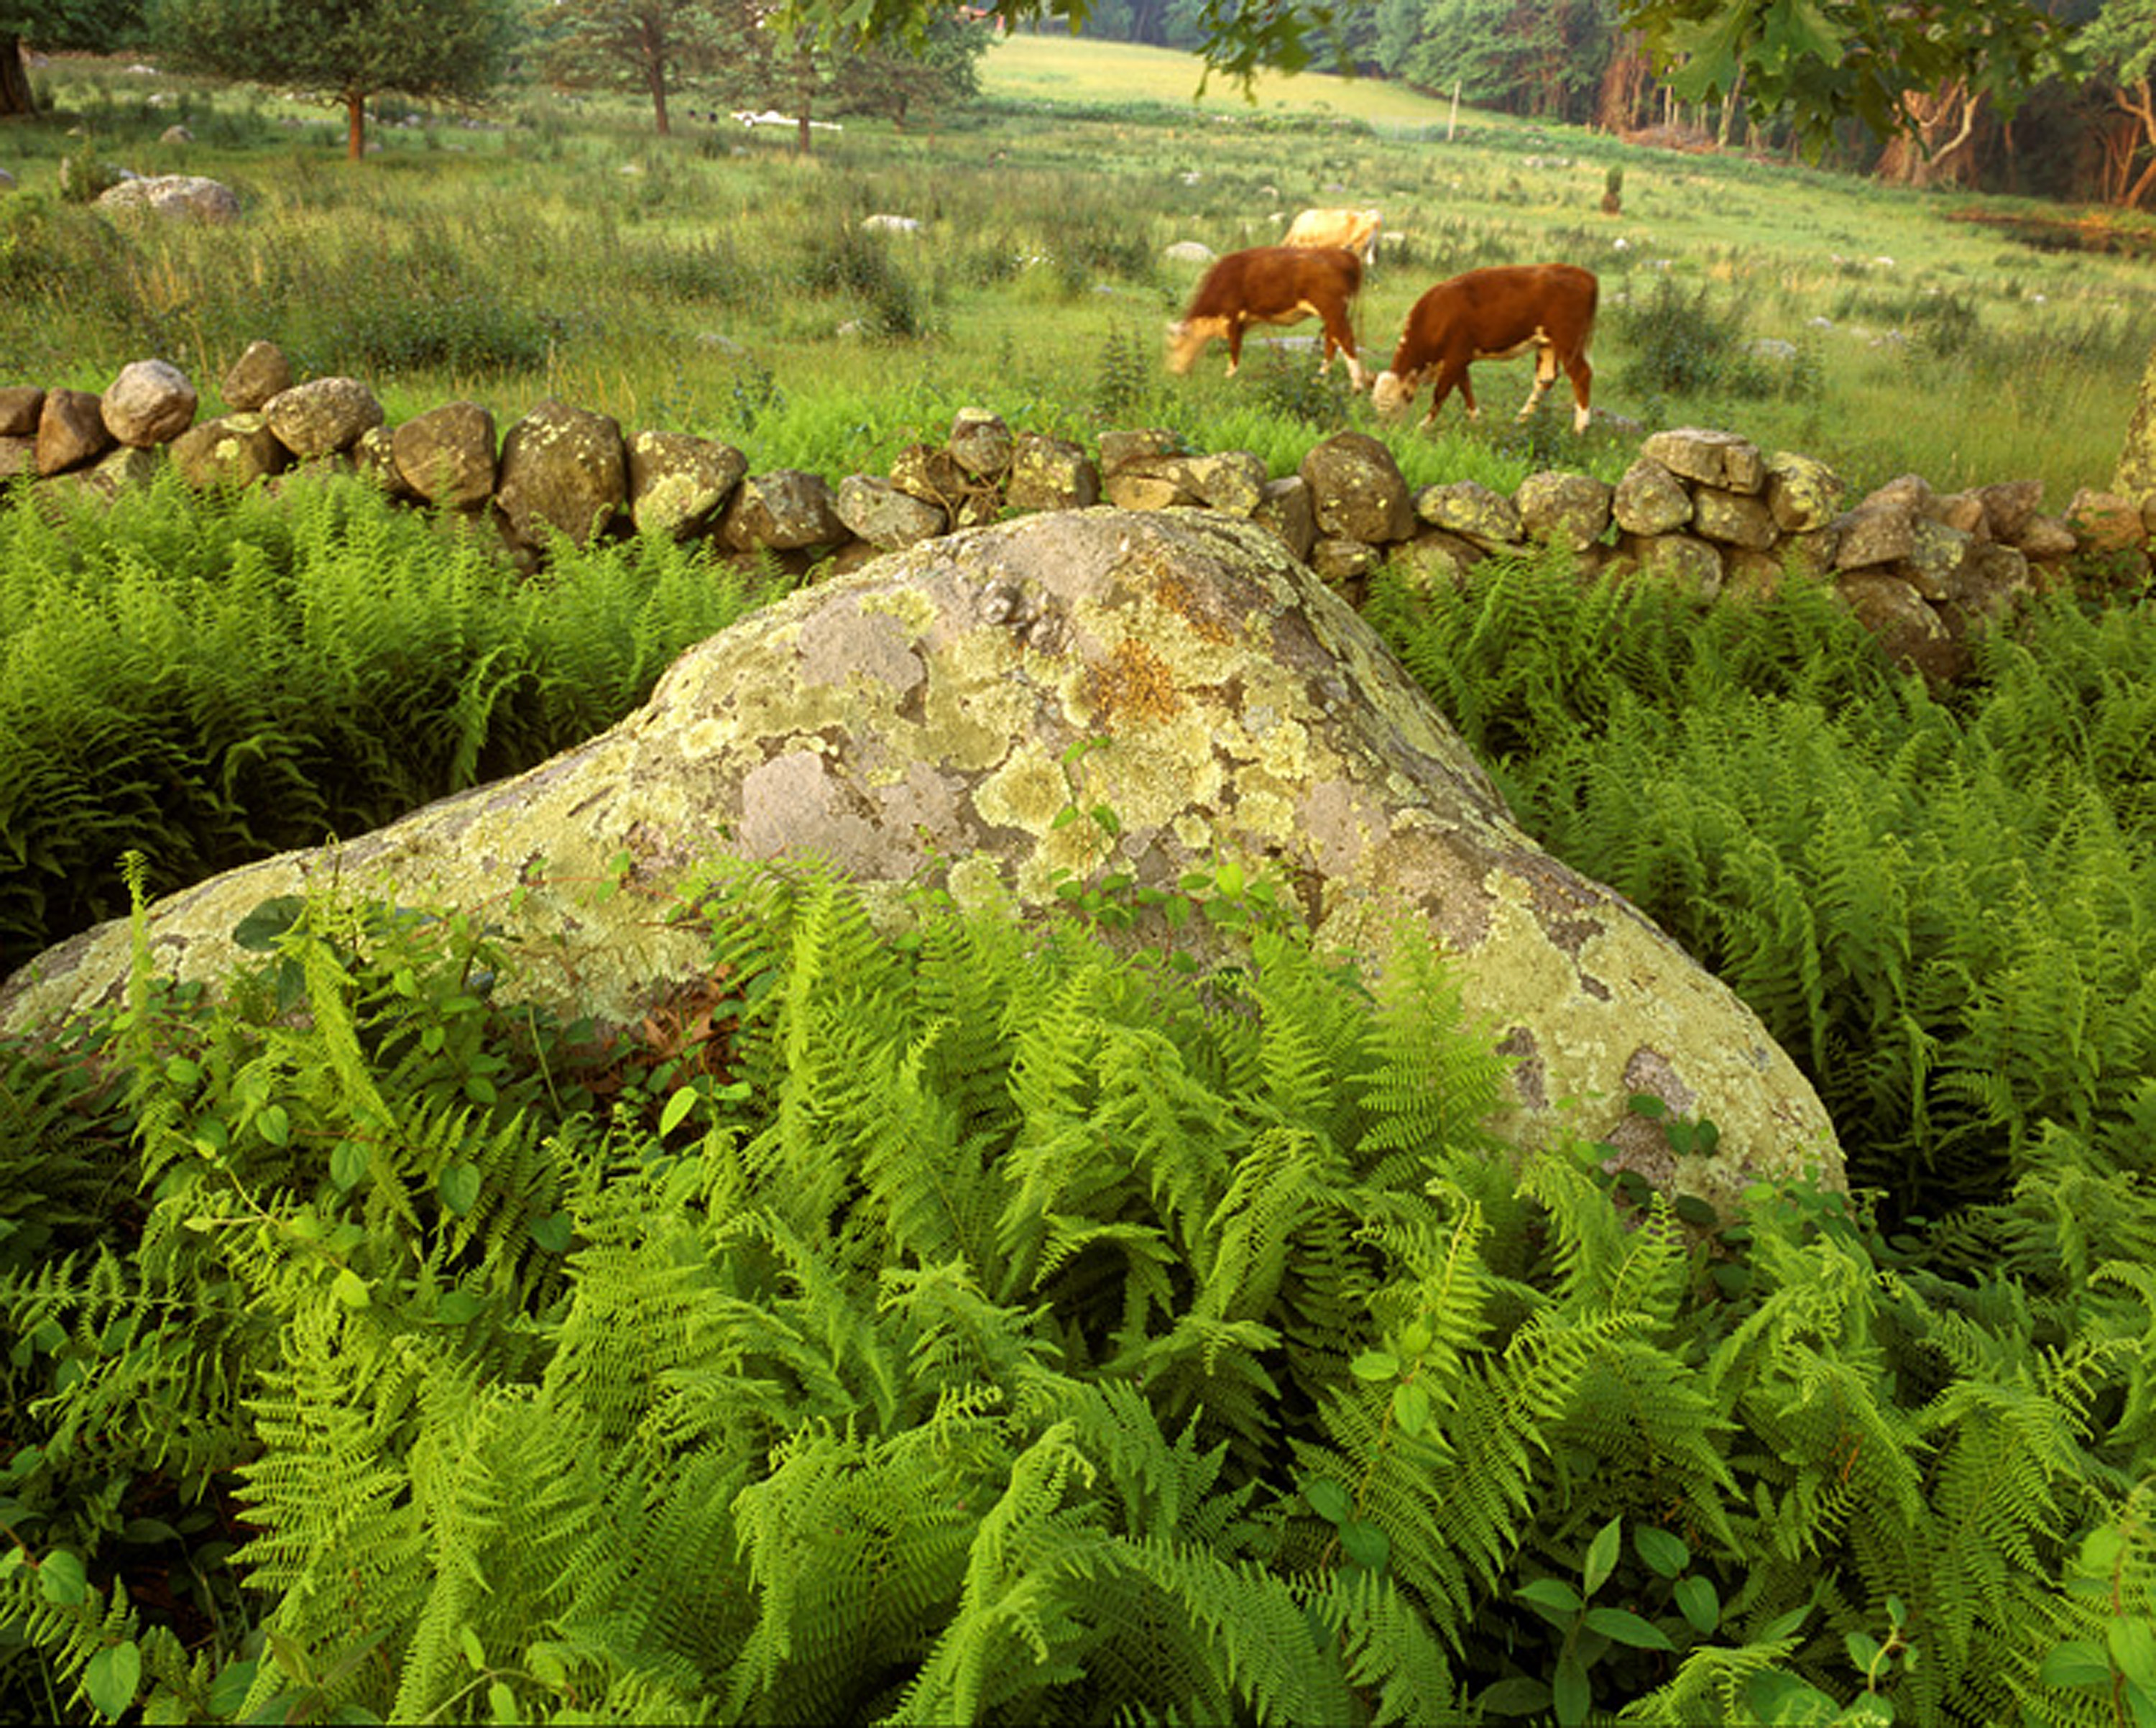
<point x="1495" y="314"/>
<point x="1354" y="230"/>
<point x="1271" y="284"/>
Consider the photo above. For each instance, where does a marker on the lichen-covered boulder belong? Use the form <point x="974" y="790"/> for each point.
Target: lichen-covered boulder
<point x="877" y="511"/>
<point x="447" y="456"/>
<point x="678" y="483"/>
<point x="323" y="417"/>
<point x="193" y="198"/>
<point x="564" y="471"/>
<point x="943" y="712"/>
<point x="233" y="450"/>
<point x="1356" y="490"/>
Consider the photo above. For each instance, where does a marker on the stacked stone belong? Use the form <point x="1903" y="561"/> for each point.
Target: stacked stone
<point x="1707" y="511"/>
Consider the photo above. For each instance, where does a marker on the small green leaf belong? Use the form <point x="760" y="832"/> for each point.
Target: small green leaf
<point x="553" y="1233"/>
<point x="350" y="1289"/>
<point x="1627" y="1628"/>
<point x="2131" y="1641"/>
<point x="147" y="1530"/>
<point x="677" y="1110"/>
<point x="547" y="1668"/>
<point x="1230" y="877"/>
<point x="475" y="1651"/>
<point x="1864" y="1652"/>
<point x="275" y="1125"/>
<point x="1698" y="1602"/>
<point x="1570" y="1694"/>
<point x="113" y="1677"/>
<point x="1365" y="1543"/>
<point x="2078" y="1664"/>
<point x="1375" y="1365"/>
<point x="1665" y="1553"/>
<point x="62" y="1580"/>
<point x="1551" y="1593"/>
<point x="259" y="932"/>
<point x="348" y="1161"/>
<point x="1329" y="1500"/>
<point x="181" y="1072"/>
<point x="1698" y="1213"/>
<point x="1518" y="1696"/>
<point x="1645" y="1103"/>
<point x="229" y="1689"/>
<point x="1410" y="1406"/>
<point x="1602" y="1555"/>
<point x="1415" y="1339"/>
<point x="455" y="1307"/>
<point x="501" y="1700"/>
<point x="2100" y="1548"/>
<point x="1783" y="1626"/>
<point x="459" y="1188"/>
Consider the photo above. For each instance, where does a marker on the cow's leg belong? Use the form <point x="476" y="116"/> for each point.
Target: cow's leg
<point x="1545" y="376"/>
<point x="1340" y="334"/>
<point x="1582" y="376"/>
<point x="1235" y="344"/>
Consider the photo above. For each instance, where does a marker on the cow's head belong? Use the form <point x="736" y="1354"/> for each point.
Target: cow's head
<point x="1390" y="395"/>
<point x="1186" y="341"/>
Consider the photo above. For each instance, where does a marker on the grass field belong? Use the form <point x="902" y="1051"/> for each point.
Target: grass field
<point x="716" y="282"/>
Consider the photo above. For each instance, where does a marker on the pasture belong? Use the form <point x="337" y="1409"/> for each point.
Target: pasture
<point x="718" y="283"/>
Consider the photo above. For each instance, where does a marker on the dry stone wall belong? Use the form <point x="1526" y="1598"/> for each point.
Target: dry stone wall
<point x="1705" y="509"/>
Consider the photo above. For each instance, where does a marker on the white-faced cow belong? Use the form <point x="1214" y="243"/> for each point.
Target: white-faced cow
<point x="1271" y="284"/>
<point x="1495" y="314"/>
<point x="1351" y="230"/>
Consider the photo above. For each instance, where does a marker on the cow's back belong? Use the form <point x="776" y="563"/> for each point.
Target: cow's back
<point x="1267" y="281"/>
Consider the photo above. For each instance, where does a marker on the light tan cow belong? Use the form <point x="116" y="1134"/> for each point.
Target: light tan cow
<point x="1353" y="230"/>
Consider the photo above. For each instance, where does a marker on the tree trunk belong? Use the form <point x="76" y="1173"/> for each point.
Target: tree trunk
<point x="15" y="94"/>
<point x="2135" y="477"/>
<point x="657" y="78"/>
<point x="355" y="126"/>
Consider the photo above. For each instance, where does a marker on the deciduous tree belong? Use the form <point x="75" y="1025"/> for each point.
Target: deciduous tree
<point x="645" y="45"/>
<point x="452" y="49"/>
<point x="90" y="26"/>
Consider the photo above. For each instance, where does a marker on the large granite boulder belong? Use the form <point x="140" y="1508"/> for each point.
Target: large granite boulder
<point x="959" y="701"/>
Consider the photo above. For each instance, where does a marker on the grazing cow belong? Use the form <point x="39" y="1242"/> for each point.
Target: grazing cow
<point x="1353" y="230"/>
<point x="1271" y="284"/>
<point x="1495" y="314"/>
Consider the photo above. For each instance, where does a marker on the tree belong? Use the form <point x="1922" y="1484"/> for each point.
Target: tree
<point x="1818" y="62"/>
<point x="86" y="26"/>
<point x="451" y="49"/>
<point x="647" y="45"/>
<point x="1235" y="37"/>
<point x="2121" y="45"/>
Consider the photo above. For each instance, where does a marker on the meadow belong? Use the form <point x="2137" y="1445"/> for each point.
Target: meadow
<point x="977" y="1322"/>
<point x="717" y="282"/>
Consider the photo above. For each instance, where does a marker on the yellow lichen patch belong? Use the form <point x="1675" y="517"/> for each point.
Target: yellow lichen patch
<point x="1028" y="793"/>
<point x="1135" y="684"/>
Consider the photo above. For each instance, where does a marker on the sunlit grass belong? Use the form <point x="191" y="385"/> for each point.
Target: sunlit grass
<point x="717" y="282"/>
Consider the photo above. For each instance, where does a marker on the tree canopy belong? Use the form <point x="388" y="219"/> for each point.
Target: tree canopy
<point x="645" y="45"/>
<point x="1817" y="62"/>
<point x="92" y="26"/>
<point x="352" y="49"/>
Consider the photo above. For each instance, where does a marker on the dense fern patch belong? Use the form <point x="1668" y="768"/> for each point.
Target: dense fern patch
<point x="978" y="1324"/>
<point x="208" y="680"/>
<point x="1943" y="908"/>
